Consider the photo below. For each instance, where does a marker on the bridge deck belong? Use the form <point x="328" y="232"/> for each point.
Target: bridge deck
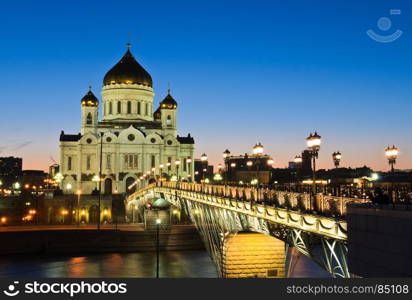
<point x="326" y="226"/>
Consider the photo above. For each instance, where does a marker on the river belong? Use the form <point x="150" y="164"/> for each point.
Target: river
<point x="173" y="264"/>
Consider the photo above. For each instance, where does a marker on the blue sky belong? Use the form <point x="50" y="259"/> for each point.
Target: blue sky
<point x="242" y="72"/>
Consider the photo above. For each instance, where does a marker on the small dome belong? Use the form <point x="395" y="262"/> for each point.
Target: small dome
<point x="157" y="114"/>
<point x="168" y="102"/>
<point x="129" y="71"/>
<point x="90" y="99"/>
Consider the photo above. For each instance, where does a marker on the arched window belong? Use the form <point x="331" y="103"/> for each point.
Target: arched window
<point x="110" y="108"/>
<point x="146" y="109"/>
<point x="129" y="107"/>
<point x="169" y="120"/>
<point x="89" y="119"/>
<point x="139" y="109"/>
<point x="119" y="107"/>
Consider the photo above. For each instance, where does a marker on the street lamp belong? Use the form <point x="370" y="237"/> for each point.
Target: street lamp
<point x="161" y="171"/>
<point x="313" y="143"/>
<point x="168" y="169"/>
<point x="78" y="192"/>
<point x="226" y="154"/>
<point x="158" y="221"/>
<point x="298" y="160"/>
<point x="258" y="149"/>
<point x="177" y="163"/>
<point x="203" y="159"/>
<point x="336" y="158"/>
<point x="189" y="162"/>
<point x="391" y="154"/>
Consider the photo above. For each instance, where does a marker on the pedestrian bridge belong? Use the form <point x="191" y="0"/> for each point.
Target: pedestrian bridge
<point x="242" y="227"/>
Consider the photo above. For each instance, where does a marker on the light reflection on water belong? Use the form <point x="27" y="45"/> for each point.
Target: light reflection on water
<point x="173" y="264"/>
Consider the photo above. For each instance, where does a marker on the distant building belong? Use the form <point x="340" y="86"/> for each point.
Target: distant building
<point x="203" y="170"/>
<point x="246" y="168"/>
<point x="34" y="178"/>
<point x="10" y="170"/>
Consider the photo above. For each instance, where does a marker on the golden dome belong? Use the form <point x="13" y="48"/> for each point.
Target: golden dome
<point x="129" y="71"/>
<point x="90" y="99"/>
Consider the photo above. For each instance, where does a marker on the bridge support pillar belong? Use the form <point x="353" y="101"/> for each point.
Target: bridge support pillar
<point x="248" y="254"/>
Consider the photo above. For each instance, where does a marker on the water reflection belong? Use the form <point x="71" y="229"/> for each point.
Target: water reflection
<point x="173" y="264"/>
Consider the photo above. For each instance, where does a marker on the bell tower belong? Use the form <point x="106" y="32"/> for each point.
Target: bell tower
<point x="90" y="114"/>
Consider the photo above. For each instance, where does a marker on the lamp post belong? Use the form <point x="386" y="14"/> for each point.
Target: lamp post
<point x="189" y="162"/>
<point x="158" y="221"/>
<point x="392" y="154"/>
<point x="78" y="192"/>
<point x="313" y="143"/>
<point x="258" y="152"/>
<point x="226" y="154"/>
<point x="203" y="159"/>
<point x="100" y="178"/>
<point x="337" y="156"/>
<point x="161" y="171"/>
<point x="168" y="169"/>
<point x="177" y="163"/>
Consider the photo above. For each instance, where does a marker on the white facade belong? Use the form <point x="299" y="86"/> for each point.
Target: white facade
<point x="133" y="139"/>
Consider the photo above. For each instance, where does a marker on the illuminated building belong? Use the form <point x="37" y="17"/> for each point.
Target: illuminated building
<point x="133" y="138"/>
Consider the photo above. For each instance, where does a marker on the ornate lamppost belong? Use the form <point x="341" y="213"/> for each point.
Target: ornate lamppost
<point x="392" y="154"/>
<point x="313" y="143"/>
<point x="226" y="155"/>
<point x="189" y="162"/>
<point x="203" y="159"/>
<point x="337" y="156"/>
<point x="177" y="163"/>
<point x="258" y="152"/>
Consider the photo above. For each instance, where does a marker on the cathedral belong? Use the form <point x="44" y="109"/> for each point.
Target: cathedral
<point x="129" y="140"/>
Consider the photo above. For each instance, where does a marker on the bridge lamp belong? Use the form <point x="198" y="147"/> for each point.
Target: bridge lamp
<point x="233" y="165"/>
<point x="270" y="162"/>
<point x="69" y="186"/>
<point x="203" y="157"/>
<point x="177" y="163"/>
<point x="258" y="149"/>
<point x="313" y="142"/>
<point x="249" y="163"/>
<point x="153" y="169"/>
<point x="392" y="154"/>
<point x="158" y="221"/>
<point x="16" y="185"/>
<point x="337" y="156"/>
<point x="226" y="154"/>
<point x="298" y="160"/>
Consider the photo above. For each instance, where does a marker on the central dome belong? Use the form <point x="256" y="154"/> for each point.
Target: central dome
<point x="129" y="71"/>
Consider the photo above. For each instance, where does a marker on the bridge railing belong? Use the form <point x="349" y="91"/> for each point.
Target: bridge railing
<point x="323" y="204"/>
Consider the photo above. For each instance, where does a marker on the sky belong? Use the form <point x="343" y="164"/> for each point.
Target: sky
<point x="242" y="72"/>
